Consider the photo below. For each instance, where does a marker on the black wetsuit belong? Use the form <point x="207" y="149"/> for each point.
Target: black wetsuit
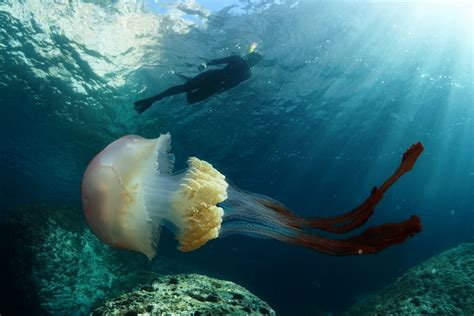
<point x="206" y="83"/>
<point x="214" y="81"/>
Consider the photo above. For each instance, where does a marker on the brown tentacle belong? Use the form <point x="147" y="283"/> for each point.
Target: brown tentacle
<point x="358" y="216"/>
<point x="371" y="241"/>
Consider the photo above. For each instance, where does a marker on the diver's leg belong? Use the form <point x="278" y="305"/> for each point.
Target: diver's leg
<point x="204" y="85"/>
<point x="144" y="104"/>
<point x="208" y="81"/>
<point x="172" y="91"/>
<point x="200" y="94"/>
<point x="206" y="78"/>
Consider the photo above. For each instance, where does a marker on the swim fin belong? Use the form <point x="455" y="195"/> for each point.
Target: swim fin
<point x="142" y="105"/>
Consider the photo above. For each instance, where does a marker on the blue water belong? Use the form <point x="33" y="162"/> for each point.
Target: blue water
<point x="343" y="90"/>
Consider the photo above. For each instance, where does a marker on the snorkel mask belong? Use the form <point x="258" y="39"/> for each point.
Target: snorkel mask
<point x="253" y="56"/>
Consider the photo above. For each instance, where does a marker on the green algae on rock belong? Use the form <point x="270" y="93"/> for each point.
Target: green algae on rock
<point x="186" y="294"/>
<point x="442" y="285"/>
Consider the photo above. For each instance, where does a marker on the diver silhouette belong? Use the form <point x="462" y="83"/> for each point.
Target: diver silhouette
<point x="209" y="82"/>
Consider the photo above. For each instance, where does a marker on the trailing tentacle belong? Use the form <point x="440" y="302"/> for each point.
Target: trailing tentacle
<point x="257" y="215"/>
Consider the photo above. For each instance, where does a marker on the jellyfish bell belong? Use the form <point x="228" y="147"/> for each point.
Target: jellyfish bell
<point x="129" y="192"/>
<point x="112" y="194"/>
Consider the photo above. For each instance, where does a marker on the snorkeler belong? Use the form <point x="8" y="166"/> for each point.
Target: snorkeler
<point x="210" y="82"/>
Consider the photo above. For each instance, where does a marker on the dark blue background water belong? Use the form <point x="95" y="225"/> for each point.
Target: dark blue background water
<point x="343" y="90"/>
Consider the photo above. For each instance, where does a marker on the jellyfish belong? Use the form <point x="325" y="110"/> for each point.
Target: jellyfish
<point x="129" y="193"/>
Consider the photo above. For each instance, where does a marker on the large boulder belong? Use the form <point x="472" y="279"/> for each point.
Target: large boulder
<point x="56" y="266"/>
<point x="186" y="294"/>
<point x="443" y="285"/>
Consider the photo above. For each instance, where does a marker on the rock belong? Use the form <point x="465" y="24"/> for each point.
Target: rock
<point x="186" y="294"/>
<point x="443" y="285"/>
<point x="58" y="266"/>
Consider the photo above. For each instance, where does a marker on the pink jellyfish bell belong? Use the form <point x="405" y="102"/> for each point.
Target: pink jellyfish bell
<point x="128" y="192"/>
